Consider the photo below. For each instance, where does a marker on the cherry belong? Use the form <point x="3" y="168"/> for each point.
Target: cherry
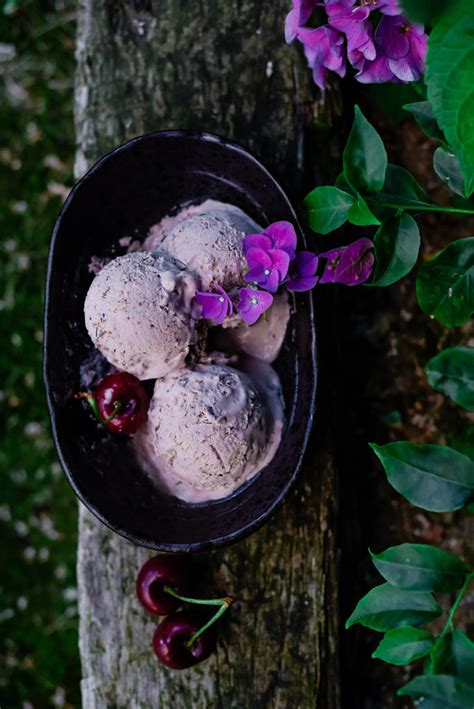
<point x="171" y="641"/>
<point x="120" y="403"/>
<point x="155" y="574"/>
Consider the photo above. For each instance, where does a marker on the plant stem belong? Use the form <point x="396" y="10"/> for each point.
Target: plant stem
<point x="223" y="603"/>
<point x="452" y="612"/>
<point x="427" y="208"/>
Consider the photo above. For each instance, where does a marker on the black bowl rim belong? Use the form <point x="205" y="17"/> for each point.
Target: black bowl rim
<point x="255" y="524"/>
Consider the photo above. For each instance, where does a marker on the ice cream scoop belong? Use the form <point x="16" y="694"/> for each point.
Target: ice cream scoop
<point x="208" y="240"/>
<point x="262" y="340"/>
<point x="211" y="429"/>
<point x="138" y="313"/>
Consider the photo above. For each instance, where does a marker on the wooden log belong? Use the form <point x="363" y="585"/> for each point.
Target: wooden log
<point x="222" y="66"/>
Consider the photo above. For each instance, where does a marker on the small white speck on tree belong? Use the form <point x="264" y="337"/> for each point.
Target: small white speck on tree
<point x="269" y="69"/>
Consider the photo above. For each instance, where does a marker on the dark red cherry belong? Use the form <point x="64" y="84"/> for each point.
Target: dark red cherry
<point x="122" y="403"/>
<point x="172" y="634"/>
<point x="155" y="574"/>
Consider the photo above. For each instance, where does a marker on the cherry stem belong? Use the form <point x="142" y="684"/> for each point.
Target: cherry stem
<point x="223" y="603"/>
<point x="90" y="398"/>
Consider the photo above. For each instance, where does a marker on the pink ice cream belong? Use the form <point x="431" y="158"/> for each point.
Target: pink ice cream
<point x="210" y="429"/>
<point x="262" y="340"/>
<point x="138" y="313"/>
<point x="208" y="240"/>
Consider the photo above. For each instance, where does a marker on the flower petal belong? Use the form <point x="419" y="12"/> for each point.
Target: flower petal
<point x="280" y="261"/>
<point x="306" y="263"/>
<point x="258" y="241"/>
<point x="253" y="303"/>
<point x="258" y="257"/>
<point x="392" y="36"/>
<point x="272" y="281"/>
<point x="356" y="263"/>
<point x="211" y="305"/>
<point x="283" y="236"/>
<point x="301" y="284"/>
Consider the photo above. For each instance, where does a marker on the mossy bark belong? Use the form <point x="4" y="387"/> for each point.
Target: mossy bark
<point x="220" y="66"/>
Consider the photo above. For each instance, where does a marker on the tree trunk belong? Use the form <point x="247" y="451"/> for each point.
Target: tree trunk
<point x="220" y="66"/>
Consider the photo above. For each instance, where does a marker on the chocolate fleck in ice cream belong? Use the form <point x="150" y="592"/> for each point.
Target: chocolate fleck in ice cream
<point x="211" y="429"/>
<point x="138" y="313"/>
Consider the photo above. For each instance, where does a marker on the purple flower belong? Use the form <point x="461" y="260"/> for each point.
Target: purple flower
<point x="298" y="17"/>
<point x="354" y="23"/>
<point x="253" y="303"/>
<point x="401" y="50"/>
<point x="302" y="272"/>
<point x="386" y="7"/>
<point x="279" y="235"/>
<point x="215" y="306"/>
<point x="324" y="51"/>
<point x="350" y="265"/>
<point x="267" y="268"/>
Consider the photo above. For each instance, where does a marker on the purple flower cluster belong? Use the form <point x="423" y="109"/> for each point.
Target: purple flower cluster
<point x="395" y="51"/>
<point x="273" y="261"/>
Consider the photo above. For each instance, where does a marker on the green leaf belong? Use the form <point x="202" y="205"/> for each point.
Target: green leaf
<point x="452" y="372"/>
<point x="450" y="86"/>
<point x="397" y="243"/>
<point x="404" y="645"/>
<point x="452" y="654"/>
<point x="445" y="285"/>
<point x="420" y="567"/>
<point x="328" y="208"/>
<point x="386" y="607"/>
<point x="424" y="10"/>
<point x="399" y="188"/>
<point x="453" y="692"/>
<point x="343" y="184"/>
<point x="422" y="111"/>
<point x="464" y="442"/>
<point x="447" y="167"/>
<point x="365" y="157"/>
<point x="360" y="214"/>
<point x="435" y="478"/>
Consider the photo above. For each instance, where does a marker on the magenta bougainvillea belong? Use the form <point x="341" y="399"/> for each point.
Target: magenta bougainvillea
<point x="273" y="262"/>
<point x="372" y="36"/>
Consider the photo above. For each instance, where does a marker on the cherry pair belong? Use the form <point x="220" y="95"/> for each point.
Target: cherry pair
<point x="180" y="640"/>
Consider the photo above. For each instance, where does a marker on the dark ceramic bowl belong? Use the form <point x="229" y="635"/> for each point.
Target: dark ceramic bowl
<point x="123" y="194"/>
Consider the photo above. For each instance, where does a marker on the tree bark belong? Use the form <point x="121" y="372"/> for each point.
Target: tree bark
<point x="220" y="66"/>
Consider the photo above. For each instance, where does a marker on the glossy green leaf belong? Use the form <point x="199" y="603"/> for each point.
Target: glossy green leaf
<point x="343" y="184"/>
<point x="452" y="654"/>
<point x="452" y="372"/>
<point x="422" y="111"/>
<point x="447" y="167"/>
<point x="365" y="157"/>
<point x="401" y="190"/>
<point x="444" y="688"/>
<point x="385" y="607"/>
<point x="449" y="78"/>
<point x="436" y="478"/>
<point x="360" y="214"/>
<point x="464" y="442"/>
<point x="328" y="208"/>
<point x="420" y="567"/>
<point x="397" y="244"/>
<point x="404" y="645"/>
<point x="445" y="284"/>
<point x="425" y="11"/>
